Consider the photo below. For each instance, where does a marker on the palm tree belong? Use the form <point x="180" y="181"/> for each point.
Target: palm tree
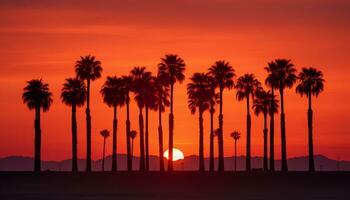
<point x="127" y="80"/>
<point x="246" y="87"/>
<point x="162" y="101"/>
<point x="36" y="95"/>
<point x="89" y="69"/>
<point x="262" y="105"/>
<point x="140" y="79"/>
<point x="272" y="81"/>
<point x="173" y="67"/>
<point x="105" y="134"/>
<point x="113" y="93"/>
<point x="311" y="83"/>
<point x="284" y="74"/>
<point x="235" y="135"/>
<point x="74" y="95"/>
<point x="198" y="97"/>
<point x="133" y="135"/>
<point x="223" y="74"/>
<point x="214" y="97"/>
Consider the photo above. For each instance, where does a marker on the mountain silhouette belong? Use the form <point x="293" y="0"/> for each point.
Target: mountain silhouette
<point x="190" y="163"/>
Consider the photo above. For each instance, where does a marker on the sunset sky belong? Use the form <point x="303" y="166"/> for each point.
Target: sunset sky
<point x="43" y="39"/>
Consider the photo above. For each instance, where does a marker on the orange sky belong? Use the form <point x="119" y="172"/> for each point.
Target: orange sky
<point x="44" y="39"/>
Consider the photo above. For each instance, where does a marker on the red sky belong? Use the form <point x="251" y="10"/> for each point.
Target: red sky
<point x="43" y="39"/>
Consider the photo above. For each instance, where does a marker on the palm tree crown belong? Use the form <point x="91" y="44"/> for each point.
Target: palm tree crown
<point x="37" y="95"/>
<point x="262" y="103"/>
<point x="246" y="86"/>
<point x="141" y="79"/>
<point x="223" y="74"/>
<point x="235" y="135"/>
<point x="281" y="74"/>
<point x="88" y="68"/>
<point x="104" y="133"/>
<point x="198" y="91"/>
<point x="173" y="67"/>
<point x="311" y="82"/>
<point x="113" y="91"/>
<point x="73" y="92"/>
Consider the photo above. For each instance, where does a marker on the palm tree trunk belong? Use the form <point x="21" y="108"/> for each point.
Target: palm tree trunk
<point x="160" y="135"/>
<point x="235" y="155"/>
<point x="142" y="143"/>
<point x="311" y="148"/>
<point x="103" y="155"/>
<point x="129" y="156"/>
<point x="272" y="134"/>
<point x="132" y="148"/>
<point x="248" y="164"/>
<point x="74" y="140"/>
<point x="88" y="129"/>
<point x="221" y="166"/>
<point x="211" y="164"/>
<point x="201" y="142"/>
<point x="283" y="134"/>
<point x="115" y="126"/>
<point x="265" y="143"/>
<point x="171" y="129"/>
<point x="146" y="141"/>
<point x="37" y="148"/>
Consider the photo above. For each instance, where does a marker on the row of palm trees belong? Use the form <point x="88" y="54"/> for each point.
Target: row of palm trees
<point x="156" y="92"/>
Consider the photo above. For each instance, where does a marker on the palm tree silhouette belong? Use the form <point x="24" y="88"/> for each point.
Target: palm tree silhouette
<point x="74" y="94"/>
<point x="262" y="105"/>
<point x="284" y="74"/>
<point x="113" y="93"/>
<point x="311" y="83"/>
<point x="127" y="80"/>
<point x="198" y="91"/>
<point x="36" y="95"/>
<point x="173" y="67"/>
<point x="162" y="101"/>
<point x="214" y="98"/>
<point x="246" y="87"/>
<point x="235" y="135"/>
<point x="140" y="78"/>
<point x="105" y="134"/>
<point x="223" y="74"/>
<point x="89" y="69"/>
<point x="133" y="135"/>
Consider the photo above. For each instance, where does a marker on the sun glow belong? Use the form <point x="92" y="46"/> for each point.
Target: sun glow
<point x="177" y="154"/>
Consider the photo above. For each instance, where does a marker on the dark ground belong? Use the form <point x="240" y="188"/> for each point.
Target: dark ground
<point x="176" y="185"/>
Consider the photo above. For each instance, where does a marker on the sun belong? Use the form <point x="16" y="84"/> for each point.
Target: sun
<point x="177" y="154"/>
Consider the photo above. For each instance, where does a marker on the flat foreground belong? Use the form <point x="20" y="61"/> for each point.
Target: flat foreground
<point x="176" y="185"/>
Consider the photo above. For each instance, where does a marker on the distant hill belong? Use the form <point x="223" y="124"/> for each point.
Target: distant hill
<point x="20" y="163"/>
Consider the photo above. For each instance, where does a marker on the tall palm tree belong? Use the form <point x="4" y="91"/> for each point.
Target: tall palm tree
<point x="246" y="87"/>
<point x="140" y="78"/>
<point x="272" y="81"/>
<point x="74" y="94"/>
<point x="235" y="135"/>
<point x="284" y="72"/>
<point x="88" y="69"/>
<point x="127" y="80"/>
<point x="36" y="95"/>
<point x="223" y="74"/>
<point x="262" y="105"/>
<point x="162" y="101"/>
<point x="198" y="97"/>
<point x="113" y="93"/>
<point x="311" y="83"/>
<point x="173" y="67"/>
<point x="133" y="135"/>
<point x="105" y="134"/>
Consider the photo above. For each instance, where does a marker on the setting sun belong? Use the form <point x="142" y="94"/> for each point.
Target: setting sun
<point x="177" y="154"/>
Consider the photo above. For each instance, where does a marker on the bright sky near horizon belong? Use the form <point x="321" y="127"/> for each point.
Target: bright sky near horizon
<point x="43" y="39"/>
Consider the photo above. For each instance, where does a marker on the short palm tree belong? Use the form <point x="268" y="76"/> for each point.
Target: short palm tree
<point x="140" y="77"/>
<point x="127" y="81"/>
<point x="285" y="77"/>
<point x="162" y="101"/>
<point x="223" y="74"/>
<point x="262" y="105"/>
<point x="105" y="134"/>
<point x="113" y="93"/>
<point x="173" y="67"/>
<point x="36" y="95"/>
<point x="133" y="135"/>
<point x="311" y="83"/>
<point x="74" y="94"/>
<point x="88" y="69"/>
<point x="198" y="97"/>
<point x="246" y="87"/>
<point x="235" y="135"/>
